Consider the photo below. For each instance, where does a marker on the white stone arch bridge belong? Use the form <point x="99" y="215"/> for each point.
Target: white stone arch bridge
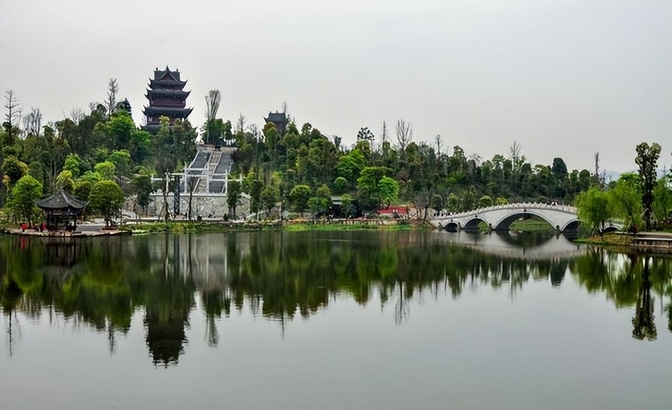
<point x="562" y="218"/>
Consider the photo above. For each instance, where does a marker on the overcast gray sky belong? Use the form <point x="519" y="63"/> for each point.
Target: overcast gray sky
<point x="564" y="78"/>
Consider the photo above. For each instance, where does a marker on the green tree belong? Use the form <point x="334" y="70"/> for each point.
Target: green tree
<point x="73" y="163"/>
<point x="255" y="196"/>
<point x="647" y="159"/>
<point x="453" y="203"/>
<point x="388" y="191"/>
<point x="299" y="197"/>
<point x="502" y="201"/>
<point x="347" y="205"/>
<point x="105" y="169"/>
<point x="234" y="194"/>
<point x="595" y="208"/>
<point x="82" y="190"/>
<point x="107" y="198"/>
<point x="23" y="198"/>
<point x="626" y="199"/>
<point x="65" y="181"/>
<point x="662" y="200"/>
<point x="350" y="165"/>
<point x="270" y="196"/>
<point x="122" y="161"/>
<point x="142" y="184"/>
<point x="341" y="185"/>
<point x="485" y="201"/>
<point x="368" y="192"/>
<point x="120" y="130"/>
<point x="13" y="170"/>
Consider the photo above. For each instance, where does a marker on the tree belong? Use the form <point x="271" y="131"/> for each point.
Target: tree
<point x="368" y="192"/>
<point x="142" y="184"/>
<point x="347" y="205"/>
<point x="647" y="158"/>
<point x="453" y="203"/>
<point x="485" y="201"/>
<point x="32" y="123"/>
<point x="213" y="133"/>
<point x="234" y="193"/>
<point x="73" y="163"/>
<point x="626" y="199"/>
<point x="595" y="208"/>
<point x="105" y="169"/>
<point x="340" y="185"/>
<point x="65" y="181"/>
<point x="388" y="191"/>
<point x="662" y="200"/>
<point x="255" y="196"/>
<point x="107" y="198"/>
<point x="112" y="91"/>
<point x="299" y="197"/>
<point x="122" y="161"/>
<point x="270" y="196"/>
<point x="404" y="134"/>
<point x="120" y="130"/>
<point x="23" y="198"/>
<point x="350" y="165"/>
<point x="365" y="134"/>
<point x="82" y="190"/>
<point x="13" y="170"/>
<point x="12" y="118"/>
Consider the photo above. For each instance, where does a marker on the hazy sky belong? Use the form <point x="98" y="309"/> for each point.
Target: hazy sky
<point x="564" y="78"/>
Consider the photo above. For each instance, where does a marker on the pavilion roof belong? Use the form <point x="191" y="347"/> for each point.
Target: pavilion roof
<point x="276" y="117"/>
<point x="61" y="200"/>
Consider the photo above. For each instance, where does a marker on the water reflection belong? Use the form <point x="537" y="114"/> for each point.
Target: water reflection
<point x="102" y="283"/>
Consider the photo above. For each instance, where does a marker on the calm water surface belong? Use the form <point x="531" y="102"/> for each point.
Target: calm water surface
<point x="364" y="320"/>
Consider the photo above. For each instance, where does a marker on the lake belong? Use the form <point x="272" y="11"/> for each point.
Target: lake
<point x="341" y="320"/>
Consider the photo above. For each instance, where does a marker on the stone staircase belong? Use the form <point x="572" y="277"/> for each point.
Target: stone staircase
<point x="202" y="186"/>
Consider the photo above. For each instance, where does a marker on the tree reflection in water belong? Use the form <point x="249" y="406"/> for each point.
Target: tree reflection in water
<point x="102" y="283"/>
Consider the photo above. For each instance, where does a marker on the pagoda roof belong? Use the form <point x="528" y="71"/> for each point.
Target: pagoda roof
<point x="184" y="112"/>
<point x="167" y="75"/>
<point x="166" y="83"/>
<point x="167" y="92"/>
<point x="276" y="117"/>
<point x="60" y="201"/>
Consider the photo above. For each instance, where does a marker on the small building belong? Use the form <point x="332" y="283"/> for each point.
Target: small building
<point x="393" y="211"/>
<point x="61" y="208"/>
<point x="166" y="97"/>
<point x="279" y="119"/>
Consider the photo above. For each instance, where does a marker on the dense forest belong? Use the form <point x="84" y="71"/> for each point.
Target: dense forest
<point x="102" y="156"/>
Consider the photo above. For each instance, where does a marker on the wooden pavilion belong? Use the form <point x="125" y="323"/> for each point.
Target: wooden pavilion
<point x="60" y="208"/>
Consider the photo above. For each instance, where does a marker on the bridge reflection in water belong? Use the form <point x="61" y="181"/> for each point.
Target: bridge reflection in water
<point x="514" y="245"/>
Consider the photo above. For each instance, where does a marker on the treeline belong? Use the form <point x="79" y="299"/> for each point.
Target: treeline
<point x="102" y="157"/>
<point x="299" y="168"/>
<point x="638" y="200"/>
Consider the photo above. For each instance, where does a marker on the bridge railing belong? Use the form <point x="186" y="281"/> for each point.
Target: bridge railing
<point x="516" y="206"/>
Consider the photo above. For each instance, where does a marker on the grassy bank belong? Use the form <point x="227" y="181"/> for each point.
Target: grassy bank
<point x="291" y="226"/>
<point x="608" y="240"/>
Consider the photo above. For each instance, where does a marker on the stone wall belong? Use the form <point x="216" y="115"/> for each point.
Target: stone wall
<point x="202" y="204"/>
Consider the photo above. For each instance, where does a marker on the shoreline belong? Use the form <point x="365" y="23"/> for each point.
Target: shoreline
<point x="643" y="242"/>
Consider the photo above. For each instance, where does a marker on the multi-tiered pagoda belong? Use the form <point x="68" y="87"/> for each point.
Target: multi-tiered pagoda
<point x="166" y="97"/>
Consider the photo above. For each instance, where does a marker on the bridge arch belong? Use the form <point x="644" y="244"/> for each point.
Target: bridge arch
<point x="452" y="226"/>
<point x="472" y="224"/>
<point x="557" y="223"/>
<point x="562" y="218"/>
